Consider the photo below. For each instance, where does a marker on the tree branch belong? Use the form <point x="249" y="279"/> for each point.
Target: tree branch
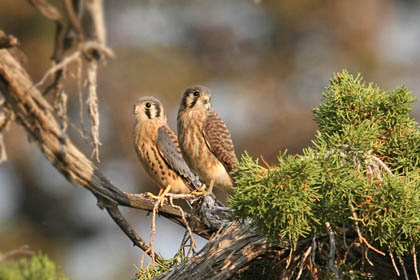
<point x="234" y="247"/>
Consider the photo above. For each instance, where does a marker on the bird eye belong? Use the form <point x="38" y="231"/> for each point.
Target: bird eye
<point x="148" y="105"/>
<point x="196" y="93"/>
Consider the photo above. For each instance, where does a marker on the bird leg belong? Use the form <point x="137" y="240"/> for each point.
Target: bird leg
<point x="210" y="190"/>
<point x="161" y="194"/>
<point x="202" y="191"/>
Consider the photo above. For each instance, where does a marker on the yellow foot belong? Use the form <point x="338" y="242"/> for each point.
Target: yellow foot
<point x="161" y="195"/>
<point x="210" y="190"/>
<point x="202" y="191"/>
<point x="152" y="196"/>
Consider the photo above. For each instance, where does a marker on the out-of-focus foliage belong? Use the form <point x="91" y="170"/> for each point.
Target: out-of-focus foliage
<point x="362" y="129"/>
<point x="37" y="267"/>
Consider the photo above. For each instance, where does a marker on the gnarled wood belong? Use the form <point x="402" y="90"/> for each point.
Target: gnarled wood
<point x="233" y="248"/>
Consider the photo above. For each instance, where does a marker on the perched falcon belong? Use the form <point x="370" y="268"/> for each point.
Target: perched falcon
<point x="158" y="149"/>
<point x="205" y="140"/>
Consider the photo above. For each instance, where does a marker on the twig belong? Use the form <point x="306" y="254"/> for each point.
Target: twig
<point x="403" y="267"/>
<point x="46" y="9"/>
<point x="92" y="102"/>
<point x="393" y="263"/>
<point x="3" y="153"/>
<point x="265" y="163"/>
<point x="5" y="117"/>
<point x="81" y="103"/>
<point x="348" y="250"/>
<point x="331" y="261"/>
<point x="314" y="245"/>
<point x="366" y="256"/>
<point x="302" y="263"/>
<point x="192" y="245"/>
<point x="153" y="232"/>
<point x="74" y="20"/>
<point x="413" y="251"/>
<point x="21" y="250"/>
<point x="60" y="66"/>
<point x="95" y="8"/>
<point x="289" y="258"/>
<point x="151" y="250"/>
<point x="361" y="238"/>
<point x="61" y="108"/>
<point x="383" y="165"/>
<point x="147" y="252"/>
<point x="53" y="14"/>
<point x="129" y="231"/>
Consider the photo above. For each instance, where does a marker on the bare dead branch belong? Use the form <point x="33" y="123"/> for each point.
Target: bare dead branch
<point x="302" y="263"/>
<point x="187" y="226"/>
<point x="236" y="245"/>
<point x="331" y="261"/>
<point x="74" y="20"/>
<point x="23" y="250"/>
<point x="391" y="255"/>
<point x="59" y="67"/>
<point x="129" y="231"/>
<point x="46" y="9"/>
<point x="92" y="102"/>
<point x="361" y="238"/>
<point x="403" y="267"/>
<point x="413" y="252"/>
<point x="95" y="8"/>
<point x="5" y="117"/>
<point x="383" y="165"/>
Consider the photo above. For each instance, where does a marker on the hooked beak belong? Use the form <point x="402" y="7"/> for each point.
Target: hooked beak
<point x="135" y="111"/>
<point x="206" y="98"/>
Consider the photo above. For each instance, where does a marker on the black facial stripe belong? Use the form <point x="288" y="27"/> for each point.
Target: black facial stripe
<point x="157" y="107"/>
<point x="184" y="100"/>
<point x="194" y="101"/>
<point x="148" y="113"/>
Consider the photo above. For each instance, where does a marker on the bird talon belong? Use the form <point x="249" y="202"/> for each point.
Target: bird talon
<point x="152" y="196"/>
<point x="202" y="191"/>
<point x="161" y="196"/>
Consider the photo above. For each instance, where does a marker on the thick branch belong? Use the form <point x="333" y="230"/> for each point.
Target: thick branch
<point x="233" y="248"/>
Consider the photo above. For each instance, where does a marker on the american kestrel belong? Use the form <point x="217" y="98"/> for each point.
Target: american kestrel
<point x="158" y="149"/>
<point x="205" y="140"/>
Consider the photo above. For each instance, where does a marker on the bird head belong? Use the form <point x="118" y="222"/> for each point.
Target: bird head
<point x="148" y="108"/>
<point x="196" y="98"/>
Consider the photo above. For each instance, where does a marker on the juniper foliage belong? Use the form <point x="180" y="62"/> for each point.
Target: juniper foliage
<point x="366" y="156"/>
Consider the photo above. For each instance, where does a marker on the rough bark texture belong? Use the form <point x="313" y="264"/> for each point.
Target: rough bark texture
<point x="236" y="246"/>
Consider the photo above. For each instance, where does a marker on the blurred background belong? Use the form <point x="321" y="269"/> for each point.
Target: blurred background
<point x="266" y="64"/>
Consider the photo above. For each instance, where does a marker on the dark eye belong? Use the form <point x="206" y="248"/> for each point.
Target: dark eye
<point x="148" y="105"/>
<point x="196" y="93"/>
